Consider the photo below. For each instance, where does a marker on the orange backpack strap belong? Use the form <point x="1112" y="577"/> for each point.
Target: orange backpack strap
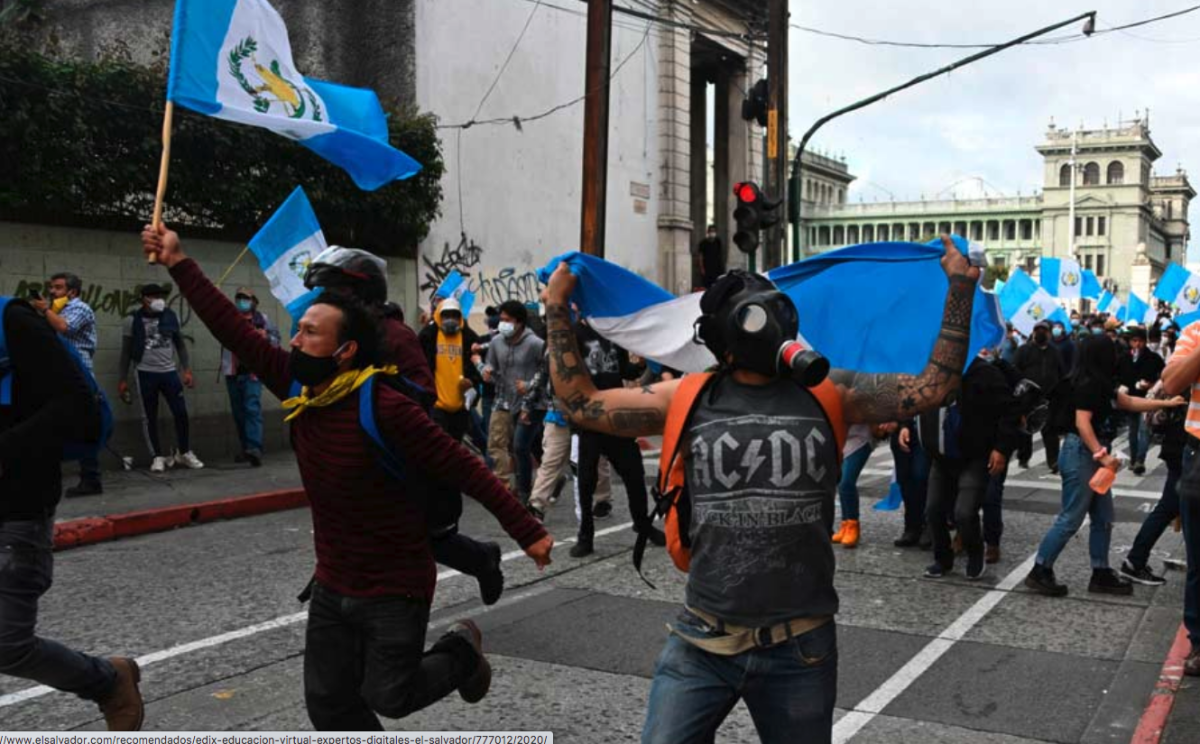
<point x="671" y="472"/>
<point x="831" y="402"/>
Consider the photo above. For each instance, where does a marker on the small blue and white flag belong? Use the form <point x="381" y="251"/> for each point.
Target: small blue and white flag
<point x="1110" y="303"/>
<point x="891" y="294"/>
<point x="456" y="285"/>
<point x="1091" y="285"/>
<point x="1180" y="287"/>
<point x="285" y="246"/>
<point x="1137" y="312"/>
<point x="232" y="59"/>
<point x="1025" y="304"/>
<point x="1062" y="278"/>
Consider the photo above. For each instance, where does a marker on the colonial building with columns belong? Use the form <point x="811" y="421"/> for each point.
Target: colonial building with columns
<point x="1129" y="222"/>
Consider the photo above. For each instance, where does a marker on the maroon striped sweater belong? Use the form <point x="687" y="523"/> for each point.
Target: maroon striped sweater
<point x="368" y="528"/>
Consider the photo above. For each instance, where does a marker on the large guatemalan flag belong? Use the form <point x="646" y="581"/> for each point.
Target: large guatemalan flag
<point x="1179" y="287"/>
<point x="285" y="246"/>
<point x="231" y="59"/>
<point x="871" y="308"/>
<point x="1025" y="304"/>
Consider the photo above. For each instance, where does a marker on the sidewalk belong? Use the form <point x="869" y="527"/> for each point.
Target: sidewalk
<point x="140" y="490"/>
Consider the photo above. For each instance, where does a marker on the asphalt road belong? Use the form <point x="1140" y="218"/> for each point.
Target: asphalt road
<point x="213" y="608"/>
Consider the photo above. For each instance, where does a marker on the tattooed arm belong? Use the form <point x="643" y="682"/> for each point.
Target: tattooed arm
<point x="625" y="412"/>
<point x="874" y="398"/>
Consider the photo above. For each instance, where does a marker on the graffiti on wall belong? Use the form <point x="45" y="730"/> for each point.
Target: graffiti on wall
<point x="115" y="302"/>
<point x="491" y="286"/>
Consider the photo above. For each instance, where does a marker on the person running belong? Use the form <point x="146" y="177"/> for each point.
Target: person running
<point x="375" y="576"/>
<point x="1090" y="422"/>
<point x="51" y="405"/>
<point x="760" y="599"/>
<point x="353" y="272"/>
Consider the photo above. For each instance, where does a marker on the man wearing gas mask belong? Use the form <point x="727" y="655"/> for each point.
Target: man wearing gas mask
<point x="760" y="459"/>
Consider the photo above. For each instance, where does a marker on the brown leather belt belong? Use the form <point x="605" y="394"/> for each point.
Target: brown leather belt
<point x="739" y="639"/>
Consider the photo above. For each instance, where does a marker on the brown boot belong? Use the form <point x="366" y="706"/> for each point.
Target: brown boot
<point x="475" y="687"/>
<point x="123" y="709"/>
<point x="991" y="554"/>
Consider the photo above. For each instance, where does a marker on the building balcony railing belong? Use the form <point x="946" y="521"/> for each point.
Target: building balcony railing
<point x="982" y="207"/>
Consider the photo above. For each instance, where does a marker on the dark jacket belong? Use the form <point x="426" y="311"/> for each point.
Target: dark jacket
<point x="168" y="325"/>
<point x="989" y="421"/>
<point x="428" y="338"/>
<point x="1042" y="365"/>
<point x="50" y="401"/>
<point x="1066" y="350"/>
<point x="1148" y="367"/>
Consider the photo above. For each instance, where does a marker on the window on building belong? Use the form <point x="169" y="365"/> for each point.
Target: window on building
<point x="1099" y="265"/>
<point x="999" y="260"/>
<point x="1010" y="230"/>
<point x="1090" y="226"/>
<point x="1091" y="174"/>
<point x="1026" y="230"/>
<point x="841" y="196"/>
<point x="993" y="231"/>
<point x="839" y="235"/>
<point x="1030" y="264"/>
<point x="1064" y="175"/>
<point x="1167" y="249"/>
<point x="1170" y="209"/>
<point x="1087" y="261"/>
<point x="868" y="233"/>
<point x="1116" y="172"/>
<point x="881" y="233"/>
<point x="852" y="234"/>
<point x="1078" y="226"/>
<point x="1100" y="225"/>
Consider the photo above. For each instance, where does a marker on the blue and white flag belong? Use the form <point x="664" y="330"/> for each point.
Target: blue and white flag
<point x="1025" y="304"/>
<point x="870" y="308"/>
<point x="1137" y="312"/>
<point x="232" y="59"/>
<point x="1109" y="303"/>
<point x="285" y="246"/>
<point x="1091" y="285"/>
<point x="1180" y="287"/>
<point x="1062" y="278"/>
<point x="456" y="285"/>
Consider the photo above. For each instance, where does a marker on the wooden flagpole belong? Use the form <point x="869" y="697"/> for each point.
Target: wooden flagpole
<point x="168" y="115"/>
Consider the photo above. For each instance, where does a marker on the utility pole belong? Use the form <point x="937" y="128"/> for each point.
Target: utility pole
<point x="777" y="138"/>
<point x="1071" y="218"/>
<point x="595" y="126"/>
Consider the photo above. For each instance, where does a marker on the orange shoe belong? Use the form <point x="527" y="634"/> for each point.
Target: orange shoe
<point x="837" y="536"/>
<point x="849" y="533"/>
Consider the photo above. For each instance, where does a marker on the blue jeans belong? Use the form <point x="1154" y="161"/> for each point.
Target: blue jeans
<point x="26" y="572"/>
<point x="1189" y="509"/>
<point x="245" y="399"/>
<point x="150" y="384"/>
<point x="524" y="436"/>
<point x="1078" y="501"/>
<point x="1139" y="437"/>
<point x="789" y="689"/>
<point x="852" y="467"/>
<point x="1157" y="521"/>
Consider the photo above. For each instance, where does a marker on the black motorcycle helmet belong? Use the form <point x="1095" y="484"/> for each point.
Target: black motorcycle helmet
<point x="363" y="272"/>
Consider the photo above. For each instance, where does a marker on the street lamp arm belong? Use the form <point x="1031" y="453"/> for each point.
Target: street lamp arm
<point x="1090" y="16"/>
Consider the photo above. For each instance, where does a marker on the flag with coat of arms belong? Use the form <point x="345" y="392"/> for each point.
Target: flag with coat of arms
<point x="231" y="59"/>
<point x="1062" y="278"/>
<point x="1025" y="304"/>
<point x="285" y="246"/>
<point x="1180" y="287"/>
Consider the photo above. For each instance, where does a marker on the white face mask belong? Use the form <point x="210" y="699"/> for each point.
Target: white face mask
<point x="507" y="329"/>
<point x="158" y="305"/>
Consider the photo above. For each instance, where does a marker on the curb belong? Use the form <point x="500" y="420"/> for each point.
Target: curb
<point x="1154" y="719"/>
<point x="74" y="533"/>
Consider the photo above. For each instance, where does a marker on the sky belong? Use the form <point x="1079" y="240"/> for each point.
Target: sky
<point x="983" y="121"/>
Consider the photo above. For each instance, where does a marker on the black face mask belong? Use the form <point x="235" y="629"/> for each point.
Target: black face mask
<point x="310" y="370"/>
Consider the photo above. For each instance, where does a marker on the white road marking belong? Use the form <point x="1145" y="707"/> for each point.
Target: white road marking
<point x="871" y="706"/>
<point x="281" y="622"/>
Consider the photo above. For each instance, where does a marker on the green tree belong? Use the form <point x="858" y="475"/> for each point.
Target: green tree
<point x="80" y="143"/>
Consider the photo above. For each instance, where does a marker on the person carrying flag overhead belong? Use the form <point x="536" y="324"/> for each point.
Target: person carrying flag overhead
<point x="750" y="502"/>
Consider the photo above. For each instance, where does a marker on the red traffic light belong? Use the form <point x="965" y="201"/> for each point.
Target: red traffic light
<point x="746" y="192"/>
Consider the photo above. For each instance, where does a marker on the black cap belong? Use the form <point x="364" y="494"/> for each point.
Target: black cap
<point x="155" y="290"/>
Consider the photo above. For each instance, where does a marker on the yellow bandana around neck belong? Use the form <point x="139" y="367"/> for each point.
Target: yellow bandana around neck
<point x="57" y="305"/>
<point x="342" y="385"/>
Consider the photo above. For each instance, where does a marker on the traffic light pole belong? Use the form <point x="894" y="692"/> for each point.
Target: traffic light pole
<point x="595" y="126"/>
<point x="777" y="137"/>
<point x="1090" y="18"/>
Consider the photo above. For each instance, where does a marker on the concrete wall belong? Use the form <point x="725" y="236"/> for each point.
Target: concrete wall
<point x="520" y="189"/>
<point x="112" y="270"/>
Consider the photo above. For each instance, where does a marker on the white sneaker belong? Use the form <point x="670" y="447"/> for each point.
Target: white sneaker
<point x="159" y="465"/>
<point x="189" y="460"/>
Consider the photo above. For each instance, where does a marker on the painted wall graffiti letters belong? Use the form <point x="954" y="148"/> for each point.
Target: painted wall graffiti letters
<point x="491" y="286"/>
<point x="494" y="287"/>
<point x="464" y="257"/>
<point x="117" y="302"/>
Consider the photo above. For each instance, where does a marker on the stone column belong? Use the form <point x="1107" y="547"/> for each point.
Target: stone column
<point x="674" y="135"/>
